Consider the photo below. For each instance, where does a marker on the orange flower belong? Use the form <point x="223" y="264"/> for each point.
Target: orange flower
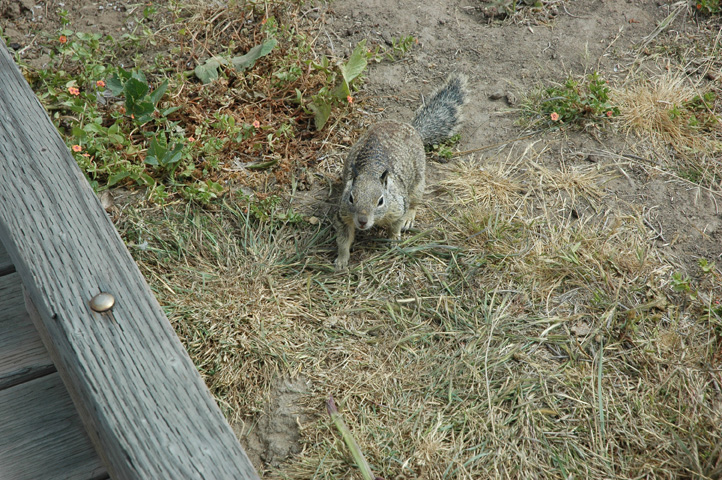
<point x="349" y="99"/>
<point x="74" y="91"/>
<point x="63" y="39"/>
<point x="554" y="116"/>
<point x="256" y="124"/>
<point x="77" y="148"/>
<point x="610" y="113"/>
<point x="191" y="139"/>
<point x="100" y="84"/>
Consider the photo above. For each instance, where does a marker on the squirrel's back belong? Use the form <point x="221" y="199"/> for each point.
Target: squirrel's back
<point x="388" y="145"/>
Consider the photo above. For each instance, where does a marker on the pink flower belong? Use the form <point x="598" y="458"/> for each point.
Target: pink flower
<point x="77" y="148"/>
<point x="74" y="91"/>
<point x="256" y="124"/>
<point x="100" y="84"/>
<point x="349" y="99"/>
<point x="610" y="113"/>
<point x="554" y="116"/>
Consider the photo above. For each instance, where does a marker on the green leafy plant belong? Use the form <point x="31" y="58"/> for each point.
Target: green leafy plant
<point x="576" y="102"/>
<point x="140" y="101"/>
<point x="445" y="150"/>
<point x="164" y="155"/>
<point x="227" y="124"/>
<point x="268" y="209"/>
<point x="706" y="266"/>
<point x="399" y="47"/>
<point x="135" y="120"/>
<point x="208" y="71"/>
<point x="340" y="83"/>
<point x="699" y="111"/>
<point x="709" y="7"/>
<point x="136" y="142"/>
<point x="681" y="283"/>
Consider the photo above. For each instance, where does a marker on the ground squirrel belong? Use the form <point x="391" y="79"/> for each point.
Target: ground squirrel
<point x="384" y="175"/>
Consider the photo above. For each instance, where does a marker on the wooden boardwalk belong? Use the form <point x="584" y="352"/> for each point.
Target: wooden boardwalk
<point x="86" y="394"/>
<point x="42" y="434"/>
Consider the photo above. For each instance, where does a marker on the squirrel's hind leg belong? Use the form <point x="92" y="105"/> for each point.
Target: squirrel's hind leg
<point x="415" y="198"/>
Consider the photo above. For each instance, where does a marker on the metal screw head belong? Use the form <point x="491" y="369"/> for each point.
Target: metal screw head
<point x="102" y="302"/>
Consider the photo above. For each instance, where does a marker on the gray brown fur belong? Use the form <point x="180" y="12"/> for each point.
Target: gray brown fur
<point x="385" y="172"/>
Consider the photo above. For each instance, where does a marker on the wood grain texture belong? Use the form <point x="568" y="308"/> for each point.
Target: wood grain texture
<point x="42" y="435"/>
<point x="22" y="354"/>
<point x="6" y="265"/>
<point x="143" y="403"/>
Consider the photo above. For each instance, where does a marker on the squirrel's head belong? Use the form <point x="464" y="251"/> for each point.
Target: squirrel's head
<point x="365" y="198"/>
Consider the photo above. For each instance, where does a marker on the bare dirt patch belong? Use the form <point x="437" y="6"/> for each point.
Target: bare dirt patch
<point x="506" y="59"/>
<point x="275" y="435"/>
<point x="23" y="20"/>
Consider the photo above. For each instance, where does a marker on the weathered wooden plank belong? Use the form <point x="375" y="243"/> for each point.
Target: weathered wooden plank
<point x="42" y="435"/>
<point x="22" y="354"/>
<point x="6" y="265"/>
<point x="140" y="397"/>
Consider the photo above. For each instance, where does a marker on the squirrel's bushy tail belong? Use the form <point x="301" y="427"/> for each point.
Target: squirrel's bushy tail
<point x="440" y="116"/>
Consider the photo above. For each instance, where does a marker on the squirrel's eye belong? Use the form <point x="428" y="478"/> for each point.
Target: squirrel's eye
<point x="381" y="201"/>
<point x="350" y="198"/>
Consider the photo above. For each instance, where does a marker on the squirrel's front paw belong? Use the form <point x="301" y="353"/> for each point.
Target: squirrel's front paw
<point x="341" y="264"/>
<point x="408" y="220"/>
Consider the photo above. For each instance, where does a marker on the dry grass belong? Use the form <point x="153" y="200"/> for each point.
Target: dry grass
<point x="510" y="337"/>
<point x="667" y="106"/>
<point x="530" y="328"/>
<point x="678" y="112"/>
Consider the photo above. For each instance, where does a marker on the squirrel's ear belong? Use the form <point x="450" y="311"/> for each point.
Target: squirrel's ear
<point x="385" y="178"/>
